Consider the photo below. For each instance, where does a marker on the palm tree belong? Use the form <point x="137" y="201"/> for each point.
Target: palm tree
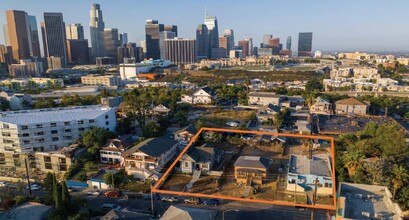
<point x="247" y="83"/>
<point x="400" y="177"/>
<point x="353" y="161"/>
<point x="310" y="100"/>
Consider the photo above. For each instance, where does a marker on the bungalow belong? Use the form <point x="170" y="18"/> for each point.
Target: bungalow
<point x="149" y="156"/>
<point x="198" y="158"/>
<point x="184" y="134"/>
<point x="161" y="109"/>
<point x="270" y="139"/>
<point x="321" y="106"/>
<point x="202" y="95"/>
<point x="266" y="112"/>
<point x="251" y="169"/>
<point x="305" y="174"/>
<point x="351" y="106"/>
<point x="112" y="151"/>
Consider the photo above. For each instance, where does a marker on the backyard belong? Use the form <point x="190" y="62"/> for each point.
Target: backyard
<point x="219" y="117"/>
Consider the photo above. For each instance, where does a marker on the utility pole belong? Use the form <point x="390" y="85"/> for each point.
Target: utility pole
<point x="28" y="178"/>
<point x="314" y="197"/>
<point x="152" y="200"/>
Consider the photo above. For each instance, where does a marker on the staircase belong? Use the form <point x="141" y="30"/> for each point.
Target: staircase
<point x="195" y="177"/>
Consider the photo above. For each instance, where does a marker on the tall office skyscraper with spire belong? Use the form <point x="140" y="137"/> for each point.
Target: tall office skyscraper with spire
<point x="97" y="26"/>
<point x="213" y="31"/>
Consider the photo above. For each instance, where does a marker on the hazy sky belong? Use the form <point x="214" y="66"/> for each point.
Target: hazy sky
<point x="336" y="24"/>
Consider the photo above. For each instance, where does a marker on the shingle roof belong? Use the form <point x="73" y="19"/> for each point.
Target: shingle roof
<point x="187" y="213"/>
<point x="264" y="94"/>
<point x="120" y="143"/>
<point x="200" y="154"/>
<point x="350" y="101"/>
<point x="153" y="146"/>
<point x="252" y="162"/>
<point x="206" y="89"/>
<point x="125" y="215"/>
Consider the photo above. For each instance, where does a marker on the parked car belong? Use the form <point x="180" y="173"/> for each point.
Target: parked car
<point x="113" y="193"/>
<point x="3" y="184"/>
<point x="34" y="186"/>
<point x="133" y="196"/>
<point x="109" y="207"/>
<point x="214" y="202"/>
<point x="170" y="199"/>
<point x="233" y="123"/>
<point x="148" y="197"/>
<point x="94" y="193"/>
<point x="192" y="200"/>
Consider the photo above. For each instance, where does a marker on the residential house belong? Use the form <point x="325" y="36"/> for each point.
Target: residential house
<point x="268" y="112"/>
<point x="198" y="158"/>
<point x="321" y="106"/>
<point x="265" y="98"/>
<point x="272" y="139"/>
<point x="202" y="95"/>
<point x="161" y="109"/>
<point x="97" y="181"/>
<point x="112" y="151"/>
<point x="147" y="158"/>
<point x="28" y="210"/>
<point x="188" y="213"/>
<point x="305" y="174"/>
<point x="351" y="106"/>
<point x="185" y="134"/>
<point x="125" y="215"/>
<point x="251" y="169"/>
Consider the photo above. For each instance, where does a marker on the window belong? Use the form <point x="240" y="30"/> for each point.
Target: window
<point x="91" y="121"/>
<point x="81" y="129"/>
<point x="67" y="130"/>
<point x="81" y="122"/>
<point x="107" y="122"/>
<point x="24" y="127"/>
<point x="26" y="135"/>
<point x="39" y="133"/>
<point x="186" y="164"/>
<point x="67" y="123"/>
<point x="6" y="134"/>
<point x="40" y="140"/>
<point x="48" y="166"/>
<point x="328" y="185"/>
<point x="16" y="156"/>
<point x="55" y="139"/>
<point x="106" y="116"/>
<point x="26" y="141"/>
<point x="63" y="167"/>
<point x="62" y="160"/>
<point x="7" y="141"/>
<point x="67" y="137"/>
<point x="39" y="126"/>
<point x="6" y="126"/>
<point x="53" y="125"/>
<point x="47" y="159"/>
<point x="54" y="132"/>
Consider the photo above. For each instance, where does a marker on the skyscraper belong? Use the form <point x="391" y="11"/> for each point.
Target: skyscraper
<point x="163" y="35"/>
<point x="202" y="39"/>
<point x="275" y="44"/>
<point x="18" y="34"/>
<point x="172" y="28"/>
<point x="97" y="31"/>
<point x="123" y="38"/>
<point x="75" y="32"/>
<point x="224" y="43"/>
<point x="6" y="34"/>
<point x="152" y="30"/>
<point x="180" y="50"/>
<point x="288" y="43"/>
<point x="213" y="31"/>
<point x="78" y="52"/>
<point x="111" y="42"/>
<point x="229" y="33"/>
<point x="246" y="46"/>
<point x="55" y="39"/>
<point x="266" y="40"/>
<point x="304" y="44"/>
<point x="35" y="40"/>
<point x="128" y="50"/>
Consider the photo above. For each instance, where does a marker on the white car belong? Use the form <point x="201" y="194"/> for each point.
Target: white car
<point x="34" y="186"/>
<point x="233" y="123"/>
<point x="94" y="193"/>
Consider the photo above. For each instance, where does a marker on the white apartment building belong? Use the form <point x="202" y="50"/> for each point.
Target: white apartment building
<point x="366" y="72"/>
<point x="51" y="129"/>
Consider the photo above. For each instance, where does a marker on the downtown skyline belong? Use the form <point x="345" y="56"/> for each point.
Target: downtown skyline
<point x="336" y="26"/>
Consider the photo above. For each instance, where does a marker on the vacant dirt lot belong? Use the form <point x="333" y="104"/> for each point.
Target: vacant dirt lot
<point x="176" y="182"/>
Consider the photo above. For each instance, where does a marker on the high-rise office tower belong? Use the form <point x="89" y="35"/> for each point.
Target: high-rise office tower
<point x="123" y="38"/>
<point x="143" y="45"/>
<point x="19" y="34"/>
<point x="224" y="43"/>
<point x="246" y="46"/>
<point x="75" y="32"/>
<point x="152" y="30"/>
<point x="97" y="27"/>
<point x="78" y="51"/>
<point x="202" y="39"/>
<point x="5" y="54"/>
<point x="275" y="44"/>
<point x="230" y="33"/>
<point x="304" y="44"/>
<point x="266" y="40"/>
<point x="54" y="36"/>
<point x="35" y="40"/>
<point x="128" y="50"/>
<point x="172" y="28"/>
<point x="6" y="34"/>
<point x="180" y="50"/>
<point x="213" y="31"/>
<point x="288" y="43"/>
<point x="163" y="35"/>
<point x="111" y="42"/>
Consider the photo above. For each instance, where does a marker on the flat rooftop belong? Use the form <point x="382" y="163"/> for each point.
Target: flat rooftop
<point x="318" y="165"/>
<point x="366" y="199"/>
<point x="39" y="116"/>
<point x="334" y="124"/>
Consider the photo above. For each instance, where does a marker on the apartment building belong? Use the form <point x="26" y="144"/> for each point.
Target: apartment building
<point x="106" y="80"/>
<point x="50" y="129"/>
<point x="265" y="98"/>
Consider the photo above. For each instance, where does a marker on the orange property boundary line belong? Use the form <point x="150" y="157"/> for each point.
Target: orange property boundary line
<point x="156" y="189"/>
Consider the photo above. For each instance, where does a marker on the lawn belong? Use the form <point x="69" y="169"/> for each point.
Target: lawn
<point x="176" y="182"/>
<point x="137" y="186"/>
<point x="218" y="118"/>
